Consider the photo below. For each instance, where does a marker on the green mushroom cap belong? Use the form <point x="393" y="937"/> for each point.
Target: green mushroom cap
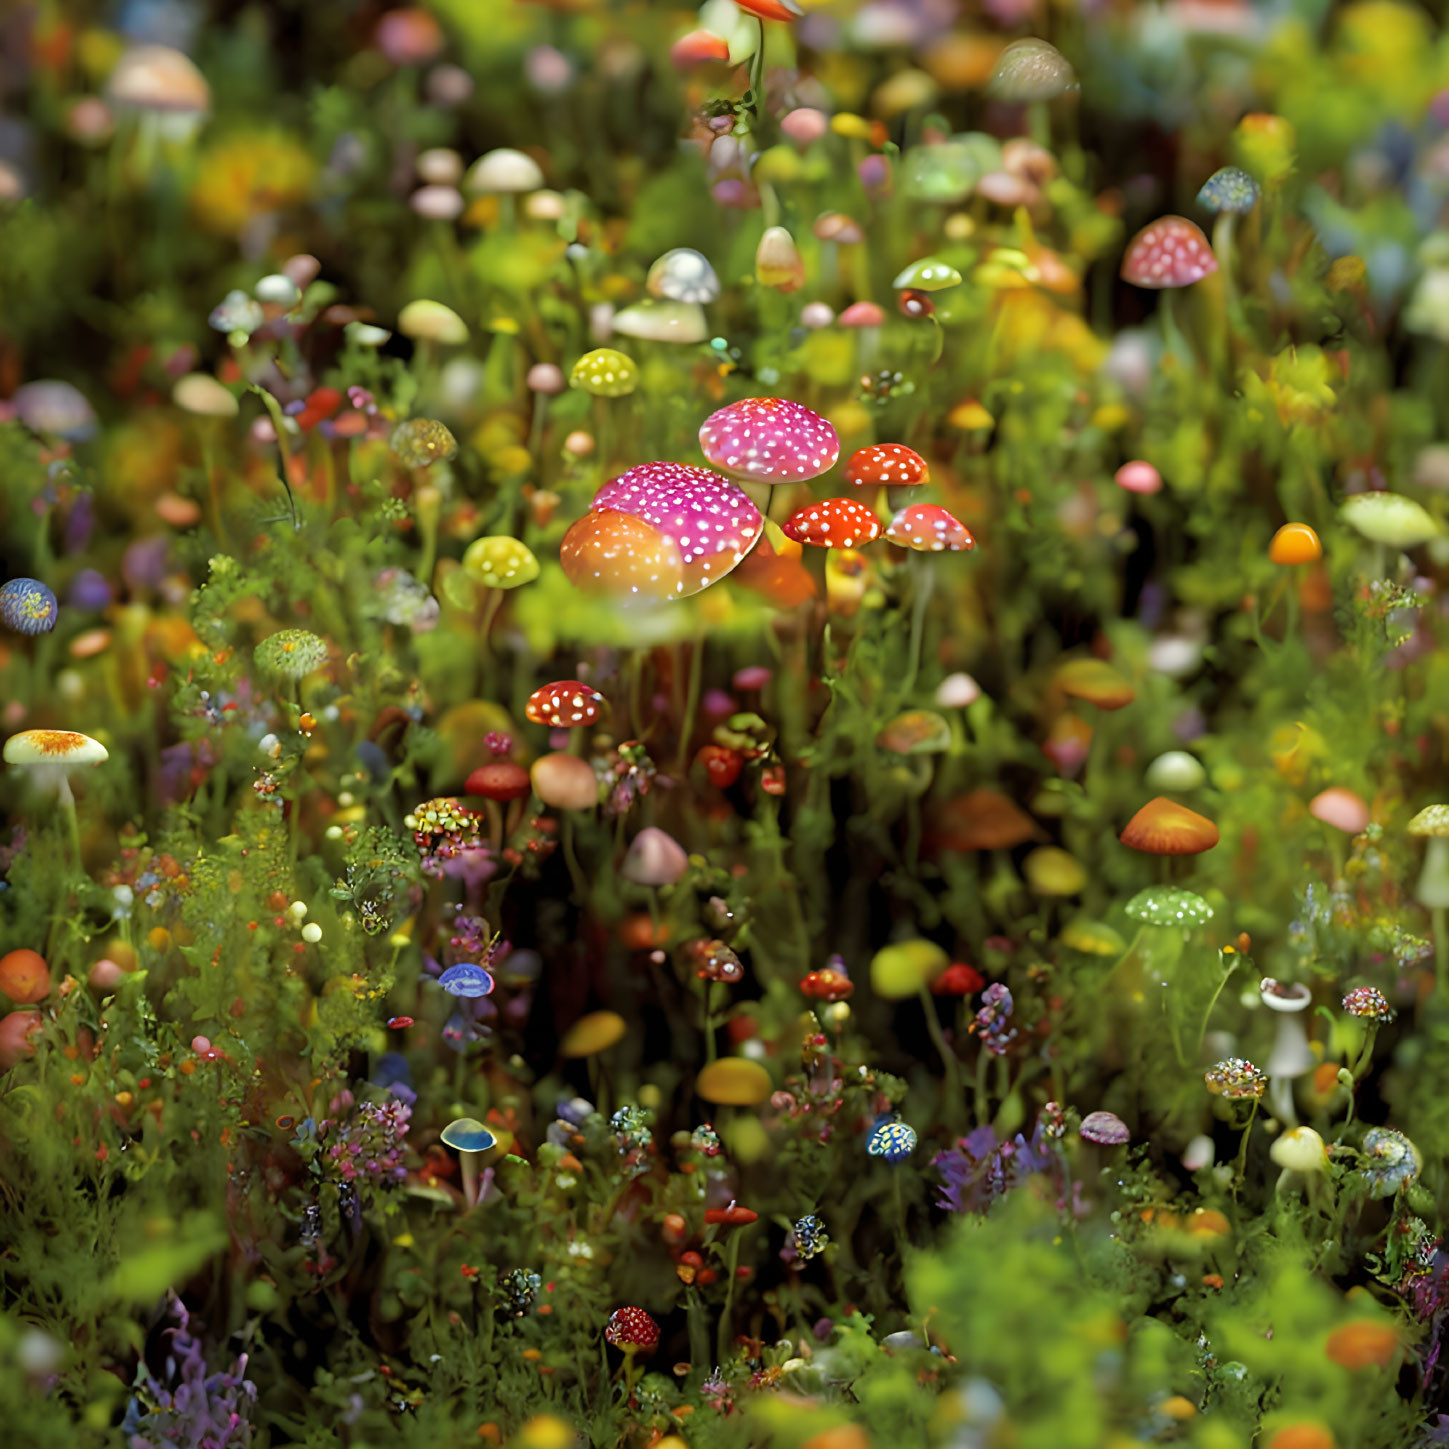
<point x="467" y="1134"/>
<point x="1230" y="189"/>
<point x="1169" y="906"/>
<point x="499" y="561"/>
<point x="1389" y="518"/>
<point x="605" y="372"/>
<point x="1432" y="820"/>
<point x="930" y="274"/>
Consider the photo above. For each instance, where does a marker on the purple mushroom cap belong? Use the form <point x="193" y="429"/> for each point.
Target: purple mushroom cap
<point x="710" y="520"/>
<point x="1105" y="1127"/>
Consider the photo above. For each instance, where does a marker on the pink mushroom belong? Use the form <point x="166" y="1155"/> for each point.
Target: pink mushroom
<point x="929" y="528"/>
<point x="769" y="440"/>
<point x="1139" y="477"/>
<point x="1341" y="809"/>
<point x="710" y="520"/>
<point x="1171" y="252"/>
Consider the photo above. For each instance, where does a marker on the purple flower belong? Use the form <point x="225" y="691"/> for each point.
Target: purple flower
<point x="993" y="1020"/>
<point x="980" y="1169"/>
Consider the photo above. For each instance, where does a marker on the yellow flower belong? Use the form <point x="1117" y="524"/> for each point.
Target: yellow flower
<point x="242" y="176"/>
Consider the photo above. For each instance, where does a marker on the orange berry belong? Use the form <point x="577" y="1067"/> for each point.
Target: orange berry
<point x="1363" y="1343"/>
<point x="1295" y="543"/>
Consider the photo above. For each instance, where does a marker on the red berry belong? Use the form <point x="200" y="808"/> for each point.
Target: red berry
<point x="631" y="1329"/>
<point x="721" y="764"/>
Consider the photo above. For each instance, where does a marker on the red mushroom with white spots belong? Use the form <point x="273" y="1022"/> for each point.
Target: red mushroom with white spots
<point x="929" y="528"/>
<point x="769" y="440"/>
<point x="710" y="521"/>
<point x="886" y="466"/>
<point x="565" y="704"/>
<point x="1171" y="252"/>
<point x="835" y="523"/>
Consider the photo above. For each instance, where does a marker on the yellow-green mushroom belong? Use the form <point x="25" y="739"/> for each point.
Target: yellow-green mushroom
<point x="605" y="372"/>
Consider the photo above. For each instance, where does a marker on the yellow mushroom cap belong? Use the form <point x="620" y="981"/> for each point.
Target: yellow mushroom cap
<point x="605" y="372"/>
<point x="1095" y="681"/>
<point x="203" y="395"/>
<point x="1432" y="820"/>
<point x="1051" y="871"/>
<point x="429" y="321"/>
<point x="591" y="1034"/>
<point x="500" y="562"/>
<point x="733" y="1082"/>
<point x="904" y="967"/>
<point x="53" y="747"/>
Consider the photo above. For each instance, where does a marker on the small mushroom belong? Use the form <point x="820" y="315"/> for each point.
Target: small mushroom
<point x="1295" y="543"/>
<point x="591" y="1034"/>
<point x="930" y="528"/>
<point x="654" y="858"/>
<point x="1163" y="827"/>
<point x="470" y="1139"/>
<point x="929" y="274"/>
<point x="565" y="704"/>
<point x="833" y="523"/>
<point x="769" y="440"/>
<point x="682" y="323"/>
<point x="1291" y="1056"/>
<point x="605" y="372"/>
<point x="503" y="172"/>
<point x="683" y="275"/>
<point x="1170" y="252"/>
<point x="28" y="606"/>
<point x="565" y="782"/>
<point x="432" y="322"/>
<point x="49" y="756"/>
<point x="1031" y="70"/>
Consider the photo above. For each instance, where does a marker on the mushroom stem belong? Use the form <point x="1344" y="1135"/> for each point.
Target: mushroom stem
<point x="66" y="800"/>
<point x="470" y="1178"/>
<point x="925" y="578"/>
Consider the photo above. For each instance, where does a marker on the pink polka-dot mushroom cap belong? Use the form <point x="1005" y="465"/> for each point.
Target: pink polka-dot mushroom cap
<point x="929" y="528"/>
<point x="1172" y="252"/>
<point x="769" y="440"/>
<point x="710" y="520"/>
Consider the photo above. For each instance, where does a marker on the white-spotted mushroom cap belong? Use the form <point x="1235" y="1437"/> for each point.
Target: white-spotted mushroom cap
<point x="564" y="704"/>
<point x="605" y="372"/>
<point x="769" y="440"/>
<point x="613" y="553"/>
<point x="834" y="523"/>
<point x="1229" y="190"/>
<point x="1031" y="70"/>
<point x="1368" y="1003"/>
<point x="1237" y="1079"/>
<point x="53" y="747"/>
<point x="427" y="321"/>
<point x="683" y="275"/>
<point x="1432" y="821"/>
<point x="158" y="78"/>
<point x="499" y="561"/>
<point x="1169" y="906"/>
<point x="663" y="321"/>
<point x="1171" y="252"/>
<point x="503" y="172"/>
<point x="711" y="521"/>
<point x="889" y="465"/>
<point x="929" y="528"/>
<point x="929" y="274"/>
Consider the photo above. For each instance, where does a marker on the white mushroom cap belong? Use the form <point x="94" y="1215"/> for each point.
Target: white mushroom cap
<point x="53" y="747"/>
<point x="683" y="275"/>
<point x="503" y="170"/>
<point x="432" y="322"/>
<point x="158" y="78"/>
<point x="663" y="322"/>
<point x="202" y="394"/>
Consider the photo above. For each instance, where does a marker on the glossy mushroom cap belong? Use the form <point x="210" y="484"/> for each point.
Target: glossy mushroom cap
<point x="429" y="321"/>
<point x="1295" y="543"/>
<point x="929" y="274"/>
<point x="834" y="523"/>
<point x="467" y="1134"/>
<point x="1031" y="70"/>
<point x="1340" y="808"/>
<point x="614" y="553"/>
<point x="501" y="172"/>
<point x="769" y="440"/>
<point x="1163" y="827"/>
<point x="683" y="274"/>
<point x="632" y="1328"/>
<point x="500" y="562"/>
<point x="1230" y="189"/>
<point x="564" y="704"/>
<point x="889" y="465"/>
<point x="467" y="980"/>
<point x="682" y="323"/>
<point x="1171" y="252"/>
<point x="862" y="314"/>
<point x="53" y="747"/>
<point x="929" y="528"/>
<point x="565" y="782"/>
<point x="710" y="521"/>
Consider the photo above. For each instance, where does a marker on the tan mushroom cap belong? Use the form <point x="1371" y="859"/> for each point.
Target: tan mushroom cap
<point x="54" y="747"/>
<point x="594" y="1033"/>
<point x="158" y="78"/>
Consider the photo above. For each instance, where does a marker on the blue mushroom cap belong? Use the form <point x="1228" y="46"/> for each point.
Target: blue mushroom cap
<point x="1230" y="189"/>
<point x="28" y="607"/>
<point x="467" y="1134"/>
<point x="466" y="979"/>
<point x="893" y="1141"/>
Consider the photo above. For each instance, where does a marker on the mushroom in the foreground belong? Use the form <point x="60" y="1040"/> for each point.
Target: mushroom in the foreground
<point x="564" y="704"/>
<point x="930" y="528"/>
<point x="769" y="440"/>
<point x="710" y="521"/>
<point x="1163" y="827"/>
<point x="49" y="756"/>
<point x="833" y="523"/>
<point x="470" y="1139"/>
<point x="1170" y="252"/>
<point x="887" y="465"/>
<point x="614" y="553"/>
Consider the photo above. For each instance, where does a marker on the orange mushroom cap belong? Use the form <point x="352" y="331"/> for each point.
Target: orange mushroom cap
<point x="732" y="1216"/>
<point x="1163" y="827"/>
<point x="609" y="552"/>
<point x="771" y="9"/>
<point x="835" y="523"/>
<point x="564" y="704"/>
<point x="891" y="465"/>
<point x="696" y="48"/>
<point x="1295" y="543"/>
